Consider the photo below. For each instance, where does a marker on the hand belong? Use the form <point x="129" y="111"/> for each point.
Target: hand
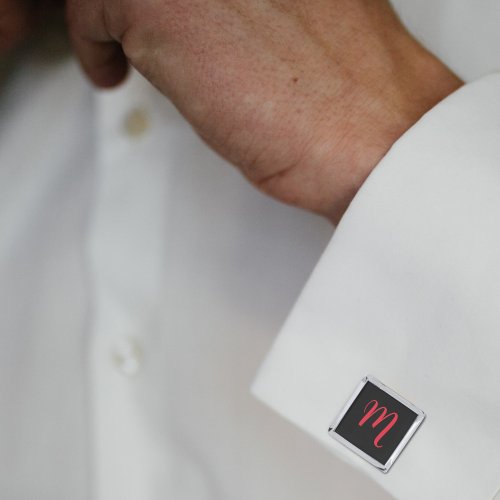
<point x="19" y="17"/>
<point x="304" y="97"/>
<point x="16" y="17"/>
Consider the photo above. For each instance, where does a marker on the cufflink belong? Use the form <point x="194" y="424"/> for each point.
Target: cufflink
<point x="376" y="423"/>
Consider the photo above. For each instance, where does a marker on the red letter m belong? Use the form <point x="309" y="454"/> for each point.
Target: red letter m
<point x="375" y="408"/>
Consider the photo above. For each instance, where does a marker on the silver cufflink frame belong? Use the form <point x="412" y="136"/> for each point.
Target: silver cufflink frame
<point x="383" y="467"/>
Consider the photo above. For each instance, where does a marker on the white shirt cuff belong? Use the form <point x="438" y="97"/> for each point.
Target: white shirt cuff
<point x="408" y="290"/>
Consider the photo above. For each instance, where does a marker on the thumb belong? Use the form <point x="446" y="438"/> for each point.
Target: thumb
<point x="100" y="56"/>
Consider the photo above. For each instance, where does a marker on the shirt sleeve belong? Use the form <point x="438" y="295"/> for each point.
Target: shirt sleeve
<point x="408" y="290"/>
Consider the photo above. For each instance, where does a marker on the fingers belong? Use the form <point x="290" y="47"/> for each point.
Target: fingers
<point x="16" y="20"/>
<point x="100" y="56"/>
<point x="103" y="62"/>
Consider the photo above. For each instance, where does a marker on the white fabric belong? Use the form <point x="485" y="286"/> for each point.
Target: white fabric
<point x="142" y="282"/>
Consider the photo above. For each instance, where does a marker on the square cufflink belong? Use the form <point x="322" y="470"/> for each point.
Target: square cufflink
<point x="376" y="423"/>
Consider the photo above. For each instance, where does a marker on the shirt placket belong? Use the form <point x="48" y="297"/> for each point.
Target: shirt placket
<point x="125" y="253"/>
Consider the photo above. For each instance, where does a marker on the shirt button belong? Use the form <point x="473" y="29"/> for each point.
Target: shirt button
<point x="137" y="122"/>
<point x="127" y="356"/>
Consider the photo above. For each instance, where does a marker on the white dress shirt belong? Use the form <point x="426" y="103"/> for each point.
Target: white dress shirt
<point x="142" y="281"/>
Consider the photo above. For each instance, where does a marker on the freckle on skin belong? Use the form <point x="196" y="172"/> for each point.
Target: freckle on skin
<point x="295" y="79"/>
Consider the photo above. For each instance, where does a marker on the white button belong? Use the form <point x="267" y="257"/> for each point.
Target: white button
<point x="127" y="356"/>
<point x="137" y="122"/>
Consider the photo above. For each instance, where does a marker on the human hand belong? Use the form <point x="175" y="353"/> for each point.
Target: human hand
<point x="19" y="17"/>
<point x="15" y="21"/>
<point x="304" y="97"/>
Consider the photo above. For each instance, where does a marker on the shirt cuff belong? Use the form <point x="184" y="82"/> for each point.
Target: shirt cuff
<point x="408" y="290"/>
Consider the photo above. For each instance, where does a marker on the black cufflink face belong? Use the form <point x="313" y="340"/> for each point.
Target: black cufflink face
<point x="376" y="423"/>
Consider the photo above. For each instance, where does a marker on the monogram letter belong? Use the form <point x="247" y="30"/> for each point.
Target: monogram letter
<point x="375" y="408"/>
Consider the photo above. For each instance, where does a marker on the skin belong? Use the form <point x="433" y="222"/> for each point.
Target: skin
<point x="15" y="22"/>
<point x="305" y="98"/>
<point x="18" y="18"/>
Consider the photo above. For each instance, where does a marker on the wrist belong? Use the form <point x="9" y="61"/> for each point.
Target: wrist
<point x="379" y="118"/>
